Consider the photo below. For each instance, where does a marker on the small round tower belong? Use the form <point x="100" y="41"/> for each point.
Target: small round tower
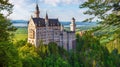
<point x="62" y="28"/>
<point x="73" y="25"/>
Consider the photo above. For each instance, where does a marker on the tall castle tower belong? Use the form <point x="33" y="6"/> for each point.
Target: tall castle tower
<point x="37" y="12"/>
<point x="47" y="24"/>
<point x="73" y="25"/>
<point x="46" y="18"/>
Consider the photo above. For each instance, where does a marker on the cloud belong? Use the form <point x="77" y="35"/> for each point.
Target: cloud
<point x="57" y="2"/>
<point x="52" y="2"/>
<point x="23" y="9"/>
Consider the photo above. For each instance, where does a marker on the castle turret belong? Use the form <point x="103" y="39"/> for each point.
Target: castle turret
<point x="62" y="28"/>
<point x="73" y="25"/>
<point x="46" y="18"/>
<point x="37" y="12"/>
<point x="47" y="24"/>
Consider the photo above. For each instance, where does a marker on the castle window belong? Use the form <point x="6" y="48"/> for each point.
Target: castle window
<point x="39" y="23"/>
<point x="31" y="33"/>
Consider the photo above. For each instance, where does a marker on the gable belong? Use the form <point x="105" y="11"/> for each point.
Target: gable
<point x="31" y="23"/>
<point x="39" y="22"/>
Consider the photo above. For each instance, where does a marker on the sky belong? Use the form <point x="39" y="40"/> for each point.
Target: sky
<point x="64" y="10"/>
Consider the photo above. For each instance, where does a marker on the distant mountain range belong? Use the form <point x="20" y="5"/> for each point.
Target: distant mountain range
<point x="23" y="23"/>
<point x="19" y="21"/>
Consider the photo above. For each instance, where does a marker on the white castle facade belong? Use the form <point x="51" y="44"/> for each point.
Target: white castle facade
<point x="50" y="30"/>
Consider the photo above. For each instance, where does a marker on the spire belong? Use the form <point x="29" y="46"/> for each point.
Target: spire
<point x="37" y="12"/>
<point x="46" y="16"/>
<point x="73" y="19"/>
<point x="37" y="8"/>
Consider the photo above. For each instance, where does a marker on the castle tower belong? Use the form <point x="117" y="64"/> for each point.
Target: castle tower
<point x="46" y="18"/>
<point x="73" y="25"/>
<point x="47" y="24"/>
<point x="62" y="28"/>
<point x="37" y="12"/>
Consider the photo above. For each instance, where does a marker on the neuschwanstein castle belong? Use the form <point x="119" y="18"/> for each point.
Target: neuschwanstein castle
<point x="50" y="30"/>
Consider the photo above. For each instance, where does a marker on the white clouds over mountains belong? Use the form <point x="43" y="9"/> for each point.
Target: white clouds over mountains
<point x="24" y="8"/>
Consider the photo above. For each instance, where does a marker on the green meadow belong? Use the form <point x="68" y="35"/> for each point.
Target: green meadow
<point x="20" y="34"/>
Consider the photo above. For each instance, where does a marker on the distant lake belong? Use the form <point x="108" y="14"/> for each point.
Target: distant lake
<point x="22" y="23"/>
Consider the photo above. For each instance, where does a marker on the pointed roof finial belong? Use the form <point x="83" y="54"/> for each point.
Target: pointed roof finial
<point x="46" y="15"/>
<point x="37" y="7"/>
<point x="37" y="12"/>
<point x="73" y="18"/>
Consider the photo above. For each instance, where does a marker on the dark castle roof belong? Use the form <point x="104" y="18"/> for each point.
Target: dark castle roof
<point x="40" y="22"/>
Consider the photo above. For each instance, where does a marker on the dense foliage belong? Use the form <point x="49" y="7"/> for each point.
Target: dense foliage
<point x="5" y="25"/>
<point x="6" y="6"/>
<point x="108" y="33"/>
<point x="6" y="29"/>
<point x="101" y="8"/>
<point x="8" y="53"/>
<point x="89" y="53"/>
<point x="92" y="53"/>
<point x="108" y="13"/>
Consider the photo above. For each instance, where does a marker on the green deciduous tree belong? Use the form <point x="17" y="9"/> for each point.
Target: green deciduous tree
<point x="6" y="29"/>
<point x="5" y="5"/>
<point x="91" y="53"/>
<point x="108" y="13"/>
<point x="9" y="55"/>
<point x="5" y="25"/>
<point x="99" y="8"/>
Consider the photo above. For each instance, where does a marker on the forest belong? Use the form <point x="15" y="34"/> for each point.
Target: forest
<point x="97" y="47"/>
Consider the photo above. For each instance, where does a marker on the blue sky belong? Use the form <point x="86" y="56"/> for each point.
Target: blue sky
<point x="64" y="10"/>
